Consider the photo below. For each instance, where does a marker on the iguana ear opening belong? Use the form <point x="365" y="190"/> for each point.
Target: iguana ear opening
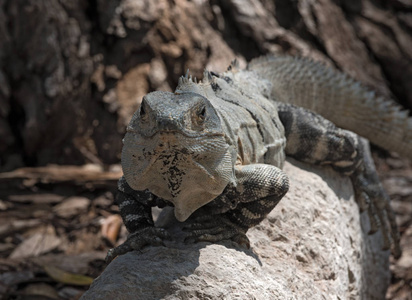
<point x="143" y="109"/>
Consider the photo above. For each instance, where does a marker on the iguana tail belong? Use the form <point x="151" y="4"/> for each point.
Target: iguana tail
<point x="338" y="98"/>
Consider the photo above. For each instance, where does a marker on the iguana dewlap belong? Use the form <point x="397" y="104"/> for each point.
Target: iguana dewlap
<point x="215" y="149"/>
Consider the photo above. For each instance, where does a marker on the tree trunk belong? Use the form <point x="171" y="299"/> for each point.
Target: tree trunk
<point x="73" y="72"/>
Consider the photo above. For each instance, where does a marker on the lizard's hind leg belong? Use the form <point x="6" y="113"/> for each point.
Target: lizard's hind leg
<point x="315" y="140"/>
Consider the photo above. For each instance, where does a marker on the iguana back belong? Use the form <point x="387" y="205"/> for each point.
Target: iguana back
<point x="338" y="98"/>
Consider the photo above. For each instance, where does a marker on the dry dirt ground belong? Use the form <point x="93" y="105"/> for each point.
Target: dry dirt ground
<point x="57" y="222"/>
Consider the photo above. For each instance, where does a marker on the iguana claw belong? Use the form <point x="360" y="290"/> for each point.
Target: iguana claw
<point x="380" y="217"/>
<point x="215" y="228"/>
<point x="137" y="240"/>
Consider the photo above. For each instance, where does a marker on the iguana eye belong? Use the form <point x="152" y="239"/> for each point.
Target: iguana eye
<point x="202" y="114"/>
<point x="198" y="117"/>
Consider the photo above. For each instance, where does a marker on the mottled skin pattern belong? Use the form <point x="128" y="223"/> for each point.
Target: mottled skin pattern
<point x="215" y="149"/>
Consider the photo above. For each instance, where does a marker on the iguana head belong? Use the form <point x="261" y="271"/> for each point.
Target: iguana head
<point x="175" y="148"/>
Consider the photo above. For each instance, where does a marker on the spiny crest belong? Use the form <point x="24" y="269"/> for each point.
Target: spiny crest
<point x="207" y="76"/>
<point x="378" y="118"/>
<point x="234" y="66"/>
<point x="187" y="78"/>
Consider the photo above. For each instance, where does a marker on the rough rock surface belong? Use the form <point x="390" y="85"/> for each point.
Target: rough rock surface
<point x="314" y="245"/>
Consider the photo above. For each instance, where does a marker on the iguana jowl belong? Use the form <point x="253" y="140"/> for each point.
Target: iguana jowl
<point x="215" y="149"/>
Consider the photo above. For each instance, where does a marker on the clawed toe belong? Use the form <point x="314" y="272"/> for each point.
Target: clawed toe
<point x="215" y="229"/>
<point x="139" y="239"/>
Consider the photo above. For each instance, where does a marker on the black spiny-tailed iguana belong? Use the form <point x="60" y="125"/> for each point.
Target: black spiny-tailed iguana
<point x="215" y="149"/>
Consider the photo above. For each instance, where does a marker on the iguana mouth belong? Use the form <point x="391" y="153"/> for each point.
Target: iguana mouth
<point x="189" y="172"/>
<point x="188" y="134"/>
<point x="186" y="192"/>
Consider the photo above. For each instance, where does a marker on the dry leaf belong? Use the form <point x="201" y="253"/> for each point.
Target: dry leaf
<point x="63" y="173"/>
<point x="111" y="227"/>
<point x="40" y="289"/>
<point x="35" y="245"/>
<point x="72" y="206"/>
<point x="79" y="263"/>
<point x="17" y="225"/>
<point x="66" y="277"/>
<point x="4" y="247"/>
<point x="36" y="198"/>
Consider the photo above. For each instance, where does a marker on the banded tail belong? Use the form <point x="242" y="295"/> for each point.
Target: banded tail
<point x="338" y="98"/>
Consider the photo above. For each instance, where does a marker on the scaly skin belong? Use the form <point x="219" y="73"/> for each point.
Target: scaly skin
<point x="338" y="98"/>
<point x="214" y="150"/>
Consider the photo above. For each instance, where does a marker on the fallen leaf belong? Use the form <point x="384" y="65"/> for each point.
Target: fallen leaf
<point x="6" y="247"/>
<point x="40" y="289"/>
<point x="79" y="263"/>
<point x="63" y="173"/>
<point x="111" y="227"/>
<point x="104" y="200"/>
<point x="66" y="277"/>
<point x="17" y="225"/>
<point x="72" y="206"/>
<point x="4" y="205"/>
<point x="35" y="245"/>
<point x="83" y="241"/>
<point x="36" y="198"/>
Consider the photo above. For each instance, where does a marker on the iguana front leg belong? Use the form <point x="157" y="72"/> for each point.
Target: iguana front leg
<point x="135" y="209"/>
<point x="258" y="190"/>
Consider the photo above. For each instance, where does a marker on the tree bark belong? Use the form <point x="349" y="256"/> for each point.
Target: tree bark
<point x="72" y="73"/>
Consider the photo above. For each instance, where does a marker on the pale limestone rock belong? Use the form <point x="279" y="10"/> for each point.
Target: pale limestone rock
<point x="311" y="246"/>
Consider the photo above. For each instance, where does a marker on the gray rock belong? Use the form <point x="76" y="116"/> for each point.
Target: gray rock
<point x="313" y="245"/>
